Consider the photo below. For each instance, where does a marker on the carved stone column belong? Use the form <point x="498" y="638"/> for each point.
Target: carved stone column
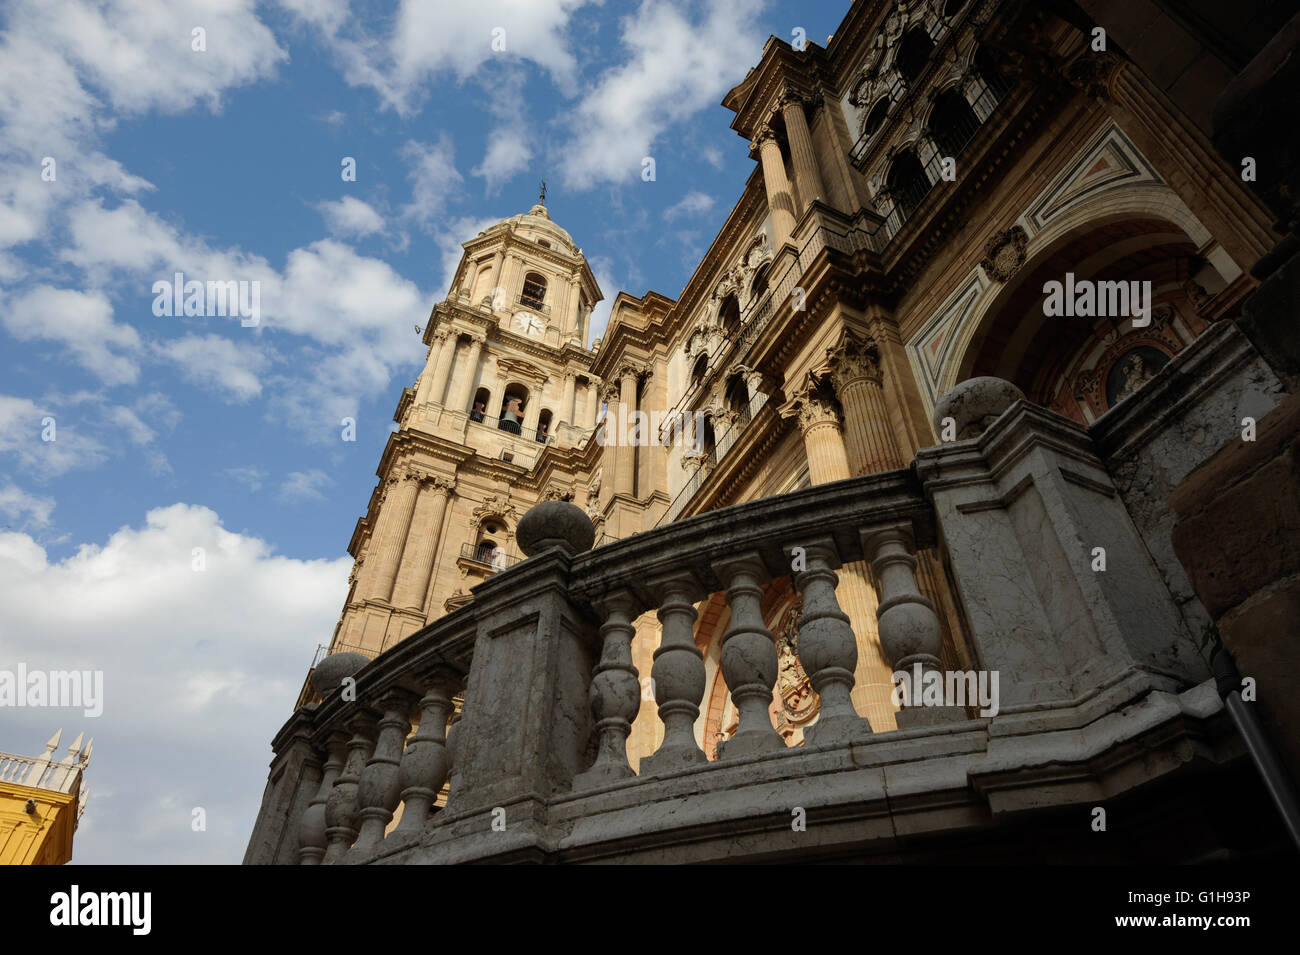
<point x="422" y="542"/>
<point x="823" y="439"/>
<point x="807" y="176"/>
<point x="859" y="384"/>
<point x="467" y="375"/>
<point x="780" y="203"/>
<point x="593" y="402"/>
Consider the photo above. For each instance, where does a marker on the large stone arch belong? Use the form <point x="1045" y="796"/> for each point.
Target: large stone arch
<point x="1147" y="202"/>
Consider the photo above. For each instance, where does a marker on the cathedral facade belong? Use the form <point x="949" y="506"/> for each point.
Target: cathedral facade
<point x="915" y="185"/>
<point x="987" y="278"/>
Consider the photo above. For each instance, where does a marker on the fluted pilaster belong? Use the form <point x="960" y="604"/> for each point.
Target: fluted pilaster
<point x="422" y="542"/>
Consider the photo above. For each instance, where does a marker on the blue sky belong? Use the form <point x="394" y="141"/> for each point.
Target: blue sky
<point x="176" y="433"/>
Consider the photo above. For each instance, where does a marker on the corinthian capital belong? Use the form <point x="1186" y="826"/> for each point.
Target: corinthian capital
<point x="855" y="361"/>
<point x="762" y="135"/>
<point x="811" y="407"/>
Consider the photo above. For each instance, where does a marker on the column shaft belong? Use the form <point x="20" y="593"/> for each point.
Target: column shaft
<point x="390" y="538"/>
<point x="807" y="176"/>
<point x="442" y="370"/>
<point x="466" y="376"/>
<point x="421" y="545"/>
<point x="565" y="414"/>
<point x="779" y="201"/>
<point x="624" y="453"/>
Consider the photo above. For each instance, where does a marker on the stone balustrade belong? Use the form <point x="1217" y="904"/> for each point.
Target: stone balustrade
<point x="536" y="765"/>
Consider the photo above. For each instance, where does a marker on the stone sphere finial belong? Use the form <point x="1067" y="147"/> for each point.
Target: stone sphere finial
<point x="974" y="404"/>
<point x="330" y="672"/>
<point x="555" y="524"/>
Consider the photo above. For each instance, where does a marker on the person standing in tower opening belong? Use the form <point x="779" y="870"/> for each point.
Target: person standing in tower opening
<point x="480" y="408"/>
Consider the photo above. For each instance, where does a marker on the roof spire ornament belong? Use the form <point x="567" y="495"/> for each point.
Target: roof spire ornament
<point x="541" y="198"/>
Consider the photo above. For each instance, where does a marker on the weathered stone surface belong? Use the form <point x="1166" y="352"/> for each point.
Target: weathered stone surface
<point x="975" y="404"/>
<point x="330" y="673"/>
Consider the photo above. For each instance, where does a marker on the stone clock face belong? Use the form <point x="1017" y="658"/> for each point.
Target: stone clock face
<point x="529" y="324"/>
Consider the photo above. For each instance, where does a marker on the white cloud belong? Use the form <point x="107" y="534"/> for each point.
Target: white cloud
<point x="675" y="68"/>
<point x="305" y="485"/>
<point x="691" y="204"/>
<point x="229" y="368"/>
<point x="430" y="38"/>
<point x="350" y="216"/>
<point x="140" y="54"/>
<point x="507" y="155"/>
<point x="200" y="670"/>
<point x="249" y="476"/>
<point x="15" y="502"/>
<point x="61" y="59"/>
<point x="433" y="177"/>
<point x="82" y="324"/>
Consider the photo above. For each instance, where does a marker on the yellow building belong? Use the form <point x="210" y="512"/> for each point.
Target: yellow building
<point x="41" y="802"/>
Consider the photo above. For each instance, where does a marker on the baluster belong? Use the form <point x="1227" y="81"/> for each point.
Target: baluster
<point x="341" y="805"/>
<point x="827" y="648"/>
<point x="380" y="788"/>
<point x="909" y="627"/>
<point x="426" y="761"/>
<point x="749" y="658"/>
<point x="677" y="675"/>
<point x="615" y="693"/>
<point x="311" y="830"/>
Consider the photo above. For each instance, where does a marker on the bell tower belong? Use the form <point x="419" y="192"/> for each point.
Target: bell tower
<point x="498" y="419"/>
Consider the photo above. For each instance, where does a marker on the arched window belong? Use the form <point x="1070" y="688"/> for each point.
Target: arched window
<point x="534" y="295"/>
<point x="710" y="445"/>
<point x="907" y="182"/>
<point x="876" y="118"/>
<point x="488" y="548"/>
<point x="511" y="418"/>
<point x="758" y="287"/>
<point x="544" y="426"/>
<point x="951" y="7"/>
<point x="729" y="316"/>
<point x="738" y="399"/>
<point x="479" y="409"/>
<point x="952" y="122"/>
<point x="697" y="372"/>
<point x="914" y="53"/>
